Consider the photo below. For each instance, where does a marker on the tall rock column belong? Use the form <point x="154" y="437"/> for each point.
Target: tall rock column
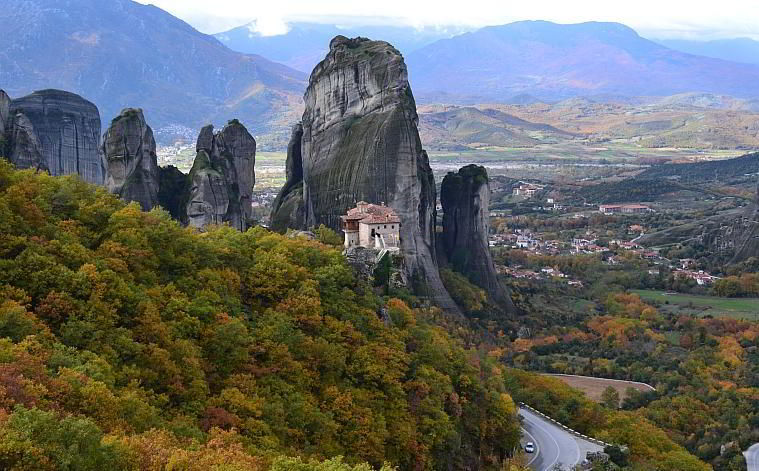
<point x="223" y="177"/>
<point x="360" y="142"/>
<point x="130" y="157"/>
<point x="465" y="197"/>
<point x="68" y="128"/>
<point x="5" y="108"/>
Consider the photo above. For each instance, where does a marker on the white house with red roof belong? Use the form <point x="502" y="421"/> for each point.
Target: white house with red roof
<point x="372" y="226"/>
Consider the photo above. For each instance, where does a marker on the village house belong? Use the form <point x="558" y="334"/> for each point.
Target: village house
<point x="372" y="226"/>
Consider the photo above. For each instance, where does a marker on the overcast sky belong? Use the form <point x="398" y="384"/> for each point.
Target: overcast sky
<point x="661" y="19"/>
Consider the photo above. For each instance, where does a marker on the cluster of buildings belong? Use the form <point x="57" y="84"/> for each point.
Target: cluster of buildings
<point x="527" y="189"/>
<point x="624" y="209"/>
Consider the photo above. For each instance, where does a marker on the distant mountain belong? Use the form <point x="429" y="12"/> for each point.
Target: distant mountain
<point x="553" y="62"/>
<point x="119" y="53"/>
<point x="737" y="50"/>
<point x="306" y="44"/>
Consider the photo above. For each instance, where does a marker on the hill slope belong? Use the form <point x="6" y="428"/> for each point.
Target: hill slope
<point x="120" y="53"/>
<point x="553" y="61"/>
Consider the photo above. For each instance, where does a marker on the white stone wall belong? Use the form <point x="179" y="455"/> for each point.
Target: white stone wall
<point x="390" y="231"/>
<point x="351" y="239"/>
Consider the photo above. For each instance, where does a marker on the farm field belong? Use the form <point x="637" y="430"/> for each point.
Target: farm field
<point x="594" y="387"/>
<point x="737" y="308"/>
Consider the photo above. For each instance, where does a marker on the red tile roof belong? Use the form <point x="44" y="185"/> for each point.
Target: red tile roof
<point x="372" y="214"/>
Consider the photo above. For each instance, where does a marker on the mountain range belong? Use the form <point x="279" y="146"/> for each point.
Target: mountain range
<point x="744" y="50"/>
<point x="119" y="53"/>
<point x="305" y="44"/>
<point x="554" y="62"/>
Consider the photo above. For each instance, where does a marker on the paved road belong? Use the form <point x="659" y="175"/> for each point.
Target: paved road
<point x="752" y="458"/>
<point x="553" y="444"/>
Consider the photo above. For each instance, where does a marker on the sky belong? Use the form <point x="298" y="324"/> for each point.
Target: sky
<point x="657" y="19"/>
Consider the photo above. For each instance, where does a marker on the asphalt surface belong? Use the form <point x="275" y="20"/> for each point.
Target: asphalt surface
<point x="752" y="458"/>
<point x="553" y="445"/>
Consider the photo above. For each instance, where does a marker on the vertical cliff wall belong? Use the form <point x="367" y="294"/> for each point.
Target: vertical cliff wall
<point x="130" y="157"/>
<point x="288" y="209"/>
<point x="465" y="197"/>
<point x="222" y="177"/>
<point x="360" y="142"/>
<point x="68" y="129"/>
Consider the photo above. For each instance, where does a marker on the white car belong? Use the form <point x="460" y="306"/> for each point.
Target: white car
<point x="530" y="447"/>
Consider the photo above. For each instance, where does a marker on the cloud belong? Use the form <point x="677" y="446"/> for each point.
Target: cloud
<point x="654" y="18"/>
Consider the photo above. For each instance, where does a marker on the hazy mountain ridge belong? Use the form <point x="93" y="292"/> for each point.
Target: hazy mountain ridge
<point x="554" y="62"/>
<point x="305" y="44"/>
<point x="123" y="54"/>
<point x="737" y="49"/>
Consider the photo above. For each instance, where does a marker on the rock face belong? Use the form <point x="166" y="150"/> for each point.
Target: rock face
<point x="360" y="142"/>
<point x="68" y="128"/>
<point x="5" y="109"/>
<point x="465" y="197"/>
<point x="222" y="177"/>
<point x="24" y="149"/>
<point x="288" y="209"/>
<point x="130" y="157"/>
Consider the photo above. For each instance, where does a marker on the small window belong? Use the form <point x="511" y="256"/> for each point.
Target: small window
<point x="392" y="227"/>
<point x="385" y="227"/>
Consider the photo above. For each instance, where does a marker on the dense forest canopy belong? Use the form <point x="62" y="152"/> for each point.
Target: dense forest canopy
<point x="130" y="342"/>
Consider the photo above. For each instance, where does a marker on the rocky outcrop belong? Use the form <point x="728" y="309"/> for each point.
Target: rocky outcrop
<point x="288" y="209"/>
<point x="24" y="149"/>
<point x="130" y="157"/>
<point x="68" y="129"/>
<point x="5" y="108"/>
<point x="465" y="197"/>
<point x="360" y="142"/>
<point x="222" y="178"/>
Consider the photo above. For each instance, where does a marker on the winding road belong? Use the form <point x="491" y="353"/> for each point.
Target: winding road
<point x="752" y="458"/>
<point x="553" y="444"/>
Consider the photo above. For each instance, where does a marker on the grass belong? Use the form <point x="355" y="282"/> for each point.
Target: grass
<point x="737" y="308"/>
<point x="594" y="387"/>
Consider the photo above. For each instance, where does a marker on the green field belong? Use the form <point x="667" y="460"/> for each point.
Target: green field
<point x="737" y="308"/>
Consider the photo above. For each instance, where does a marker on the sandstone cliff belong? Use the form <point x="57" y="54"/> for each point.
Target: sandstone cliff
<point x="68" y="129"/>
<point x="130" y="157"/>
<point x="465" y="197"/>
<point x="360" y="142"/>
<point x="223" y="177"/>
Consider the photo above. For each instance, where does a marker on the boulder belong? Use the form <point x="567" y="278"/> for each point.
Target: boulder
<point x="222" y="178"/>
<point x="465" y="197"/>
<point x="68" y="129"/>
<point x="360" y="142"/>
<point x="130" y="157"/>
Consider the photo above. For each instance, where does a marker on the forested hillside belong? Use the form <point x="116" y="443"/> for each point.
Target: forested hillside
<point x="129" y="342"/>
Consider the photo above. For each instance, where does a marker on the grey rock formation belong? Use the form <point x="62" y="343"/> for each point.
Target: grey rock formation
<point x="5" y="108"/>
<point x="360" y="142"/>
<point x="68" y="128"/>
<point x="130" y="157"/>
<point x="222" y="178"/>
<point x="24" y="149"/>
<point x="288" y="209"/>
<point x="465" y="197"/>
